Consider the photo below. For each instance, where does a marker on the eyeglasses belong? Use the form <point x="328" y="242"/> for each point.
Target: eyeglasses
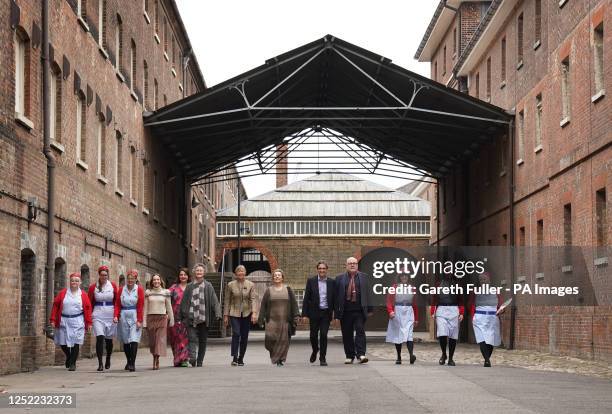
<point x="352" y="263"/>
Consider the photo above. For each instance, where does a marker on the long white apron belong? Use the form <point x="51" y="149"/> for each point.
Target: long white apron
<point x="400" y="328"/>
<point x="487" y="327"/>
<point x="104" y="312"/>
<point x="447" y="321"/>
<point x="72" y="323"/>
<point x="128" y="331"/>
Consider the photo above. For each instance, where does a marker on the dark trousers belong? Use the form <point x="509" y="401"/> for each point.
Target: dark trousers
<point x="353" y="334"/>
<point x="197" y="341"/>
<point x="240" y="334"/>
<point x="319" y="326"/>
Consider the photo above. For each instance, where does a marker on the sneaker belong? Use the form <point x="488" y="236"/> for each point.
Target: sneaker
<point x="234" y="362"/>
<point x="363" y="359"/>
<point x="240" y="362"/>
<point x="199" y="364"/>
<point x="348" y="361"/>
<point x="184" y="364"/>
<point x="412" y="359"/>
<point x="192" y="362"/>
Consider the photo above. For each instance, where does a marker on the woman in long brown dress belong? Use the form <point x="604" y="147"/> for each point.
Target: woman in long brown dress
<point x="279" y="313"/>
<point x="158" y="315"/>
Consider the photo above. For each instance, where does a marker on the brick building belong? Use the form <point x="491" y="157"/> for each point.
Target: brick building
<point x="544" y="62"/>
<point x="330" y="216"/>
<point x="119" y="199"/>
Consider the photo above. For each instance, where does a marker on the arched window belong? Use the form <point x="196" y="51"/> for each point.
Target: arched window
<point x="101" y="145"/>
<point x="27" y="314"/>
<point x="81" y="127"/>
<point x="59" y="275"/>
<point x="85" y="279"/>
<point x="82" y="9"/>
<point x="119" y="42"/>
<point x="55" y="104"/>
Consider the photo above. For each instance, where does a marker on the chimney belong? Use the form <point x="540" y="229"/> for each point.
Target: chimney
<point x="282" y="156"/>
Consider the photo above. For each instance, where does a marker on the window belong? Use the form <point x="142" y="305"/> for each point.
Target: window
<point x="155" y="195"/>
<point x="81" y="127"/>
<point x="119" y="42"/>
<point x="538" y="23"/>
<point x="477" y="85"/>
<point x="22" y="73"/>
<point x="155" y="94"/>
<point x="173" y="51"/>
<point x="521" y="251"/>
<point x="119" y="161"/>
<point x="82" y="9"/>
<point x="540" y="246"/>
<point x="146" y="186"/>
<point x="521" y="137"/>
<point x="132" y="64"/>
<point x="601" y="217"/>
<point x="489" y="79"/>
<point x="102" y="146"/>
<point x="165" y="22"/>
<point x="55" y="104"/>
<point x="598" y="55"/>
<point x="455" y="41"/>
<point x="538" y="122"/>
<point x="503" y="60"/>
<point x="156" y="22"/>
<point x="444" y="61"/>
<point x="102" y="23"/>
<point x="567" y="234"/>
<point x="145" y="81"/>
<point x="133" y="174"/>
<point x="519" y="41"/>
<point x="565" y="90"/>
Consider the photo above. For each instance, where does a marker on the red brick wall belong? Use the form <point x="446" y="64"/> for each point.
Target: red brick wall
<point x="573" y="164"/>
<point x="91" y="215"/>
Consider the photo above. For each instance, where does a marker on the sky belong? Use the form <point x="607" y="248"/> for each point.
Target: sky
<point x="230" y="37"/>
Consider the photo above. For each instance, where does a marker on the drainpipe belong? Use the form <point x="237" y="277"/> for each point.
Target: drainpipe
<point x="511" y="232"/>
<point x="50" y="168"/>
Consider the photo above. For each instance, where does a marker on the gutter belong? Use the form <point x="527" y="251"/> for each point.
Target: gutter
<point x="49" y="267"/>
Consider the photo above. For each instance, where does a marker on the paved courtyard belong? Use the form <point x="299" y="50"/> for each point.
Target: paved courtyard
<point x="299" y="387"/>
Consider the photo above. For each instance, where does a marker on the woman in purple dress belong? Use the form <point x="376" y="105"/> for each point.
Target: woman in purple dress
<point x="177" y="335"/>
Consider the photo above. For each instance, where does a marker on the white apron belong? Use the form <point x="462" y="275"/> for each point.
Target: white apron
<point x="486" y="327"/>
<point x="128" y="331"/>
<point x="72" y="328"/>
<point x="447" y="321"/>
<point x="104" y="312"/>
<point x="400" y="328"/>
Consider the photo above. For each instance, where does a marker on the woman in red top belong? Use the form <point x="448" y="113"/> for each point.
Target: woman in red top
<point x="71" y="317"/>
<point x="102" y="296"/>
<point x="403" y="317"/>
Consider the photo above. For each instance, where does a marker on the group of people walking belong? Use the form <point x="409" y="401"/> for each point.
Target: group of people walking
<point x="184" y="312"/>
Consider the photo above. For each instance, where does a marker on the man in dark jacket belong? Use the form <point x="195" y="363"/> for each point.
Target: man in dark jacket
<point x="318" y="306"/>
<point x="352" y="309"/>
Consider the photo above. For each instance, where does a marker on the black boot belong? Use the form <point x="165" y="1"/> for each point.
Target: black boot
<point x="410" y="346"/>
<point x="74" y="354"/>
<point x="398" y="350"/>
<point x="127" y="352"/>
<point x="100" y="351"/>
<point x="109" y="352"/>
<point x="452" y="343"/>
<point x="443" y="340"/>
<point x="134" y="352"/>
<point x="66" y="351"/>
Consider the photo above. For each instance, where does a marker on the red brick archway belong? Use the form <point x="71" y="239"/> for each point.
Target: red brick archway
<point x="253" y="244"/>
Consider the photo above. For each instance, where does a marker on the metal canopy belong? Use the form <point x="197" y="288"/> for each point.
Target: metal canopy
<point x="333" y="87"/>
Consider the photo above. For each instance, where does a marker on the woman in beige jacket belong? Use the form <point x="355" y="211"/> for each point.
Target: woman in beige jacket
<point x="158" y="316"/>
<point x="239" y="309"/>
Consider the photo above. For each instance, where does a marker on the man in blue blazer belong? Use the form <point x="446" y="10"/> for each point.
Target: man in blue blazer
<point x="352" y="309"/>
<point x="318" y="307"/>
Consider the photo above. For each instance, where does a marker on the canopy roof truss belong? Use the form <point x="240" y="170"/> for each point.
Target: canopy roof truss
<point x="357" y="100"/>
